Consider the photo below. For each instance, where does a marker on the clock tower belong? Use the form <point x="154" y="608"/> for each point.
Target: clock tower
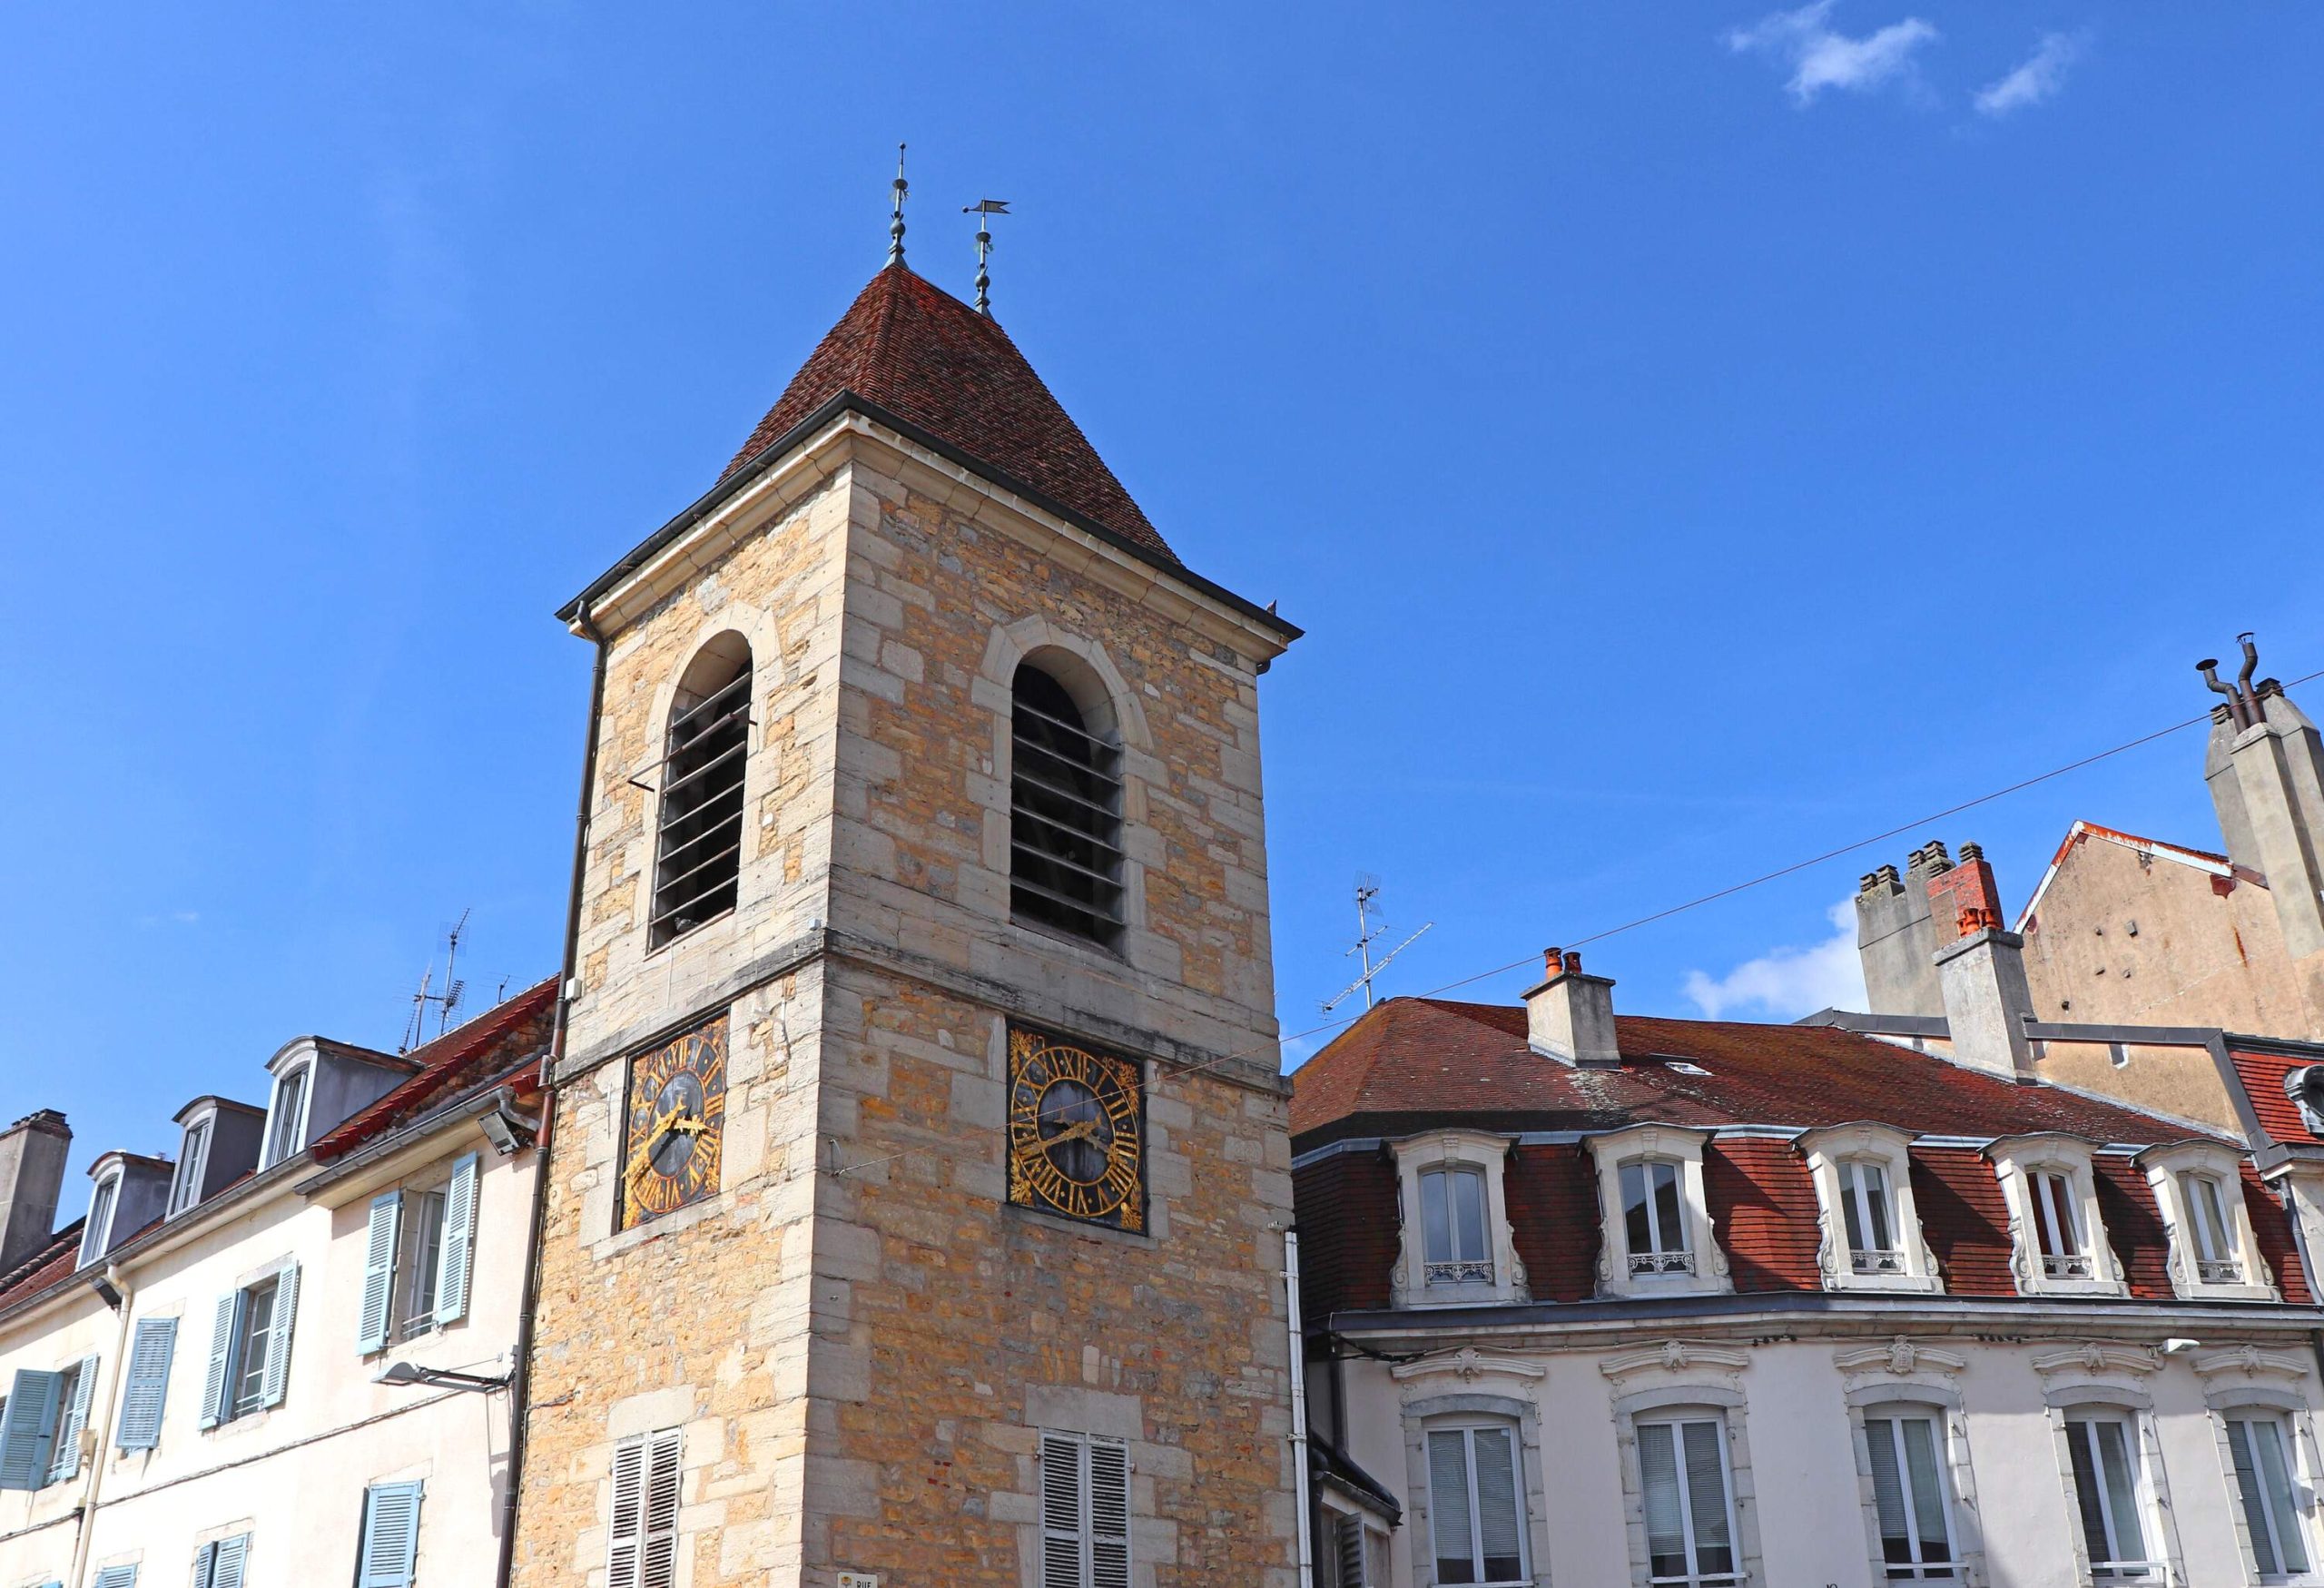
<point x="917" y="1172"/>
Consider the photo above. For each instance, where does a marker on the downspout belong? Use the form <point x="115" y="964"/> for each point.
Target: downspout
<point x="94" y="1483"/>
<point x="520" y="1369"/>
<point x="1298" y="1409"/>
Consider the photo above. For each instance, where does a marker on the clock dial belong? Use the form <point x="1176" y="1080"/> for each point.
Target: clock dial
<point x="676" y="1125"/>
<point x="1077" y="1130"/>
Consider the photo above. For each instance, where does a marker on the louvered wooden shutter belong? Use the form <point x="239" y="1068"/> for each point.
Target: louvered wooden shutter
<point x="222" y="1359"/>
<point x="145" y="1387"/>
<point x="642" y="1548"/>
<point x="116" y="1577"/>
<point x="390" y="1545"/>
<point x="1085" y="1513"/>
<point x="227" y="1556"/>
<point x="459" y="1243"/>
<point x="623" y="1537"/>
<point x="1347" y="1543"/>
<point x="26" y="1428"/>
<point x="73" y="1417"/>
<point x="278" y="1339"/>
<point x="373" y="1321"/>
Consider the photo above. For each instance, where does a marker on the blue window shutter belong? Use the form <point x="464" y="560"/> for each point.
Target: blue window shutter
<point x="459" y="1243"/>
<point x="147" y="1385"/>
<point x="221" y="1360"/>
<point x="378" y="1315"/>
<point x="278" y="1343"/>
<point x="116" y="1577"/>
<point x="72" y="1417"/>
<point x="26" y="1429"/>
<point x="226" y="1558"/>
<point x="390" y="1536"/>
<point x="205" y="1566"/>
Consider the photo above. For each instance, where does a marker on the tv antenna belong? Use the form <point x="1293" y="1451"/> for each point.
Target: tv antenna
<point x="1369" y="930"/>
<point x="415" y="1031"/>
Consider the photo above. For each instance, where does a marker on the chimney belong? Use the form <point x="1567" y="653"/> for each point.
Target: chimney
<point x="1980" y="970"/>
<point x="1894" y="938"/>
<point x="32" y="1178"/>
<point x="2265" y="766"/>
<point x="1570" y="1017"/>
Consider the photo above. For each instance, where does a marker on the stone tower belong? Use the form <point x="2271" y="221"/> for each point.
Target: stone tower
<point x="918" y="1167"/>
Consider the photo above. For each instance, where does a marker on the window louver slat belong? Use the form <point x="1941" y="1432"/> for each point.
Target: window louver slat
<point x="1064" y="800"/>
<point x="698" y="865"/>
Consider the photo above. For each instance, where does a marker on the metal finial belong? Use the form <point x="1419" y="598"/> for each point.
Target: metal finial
<point x="986" y="208"/>
<point x="896" y="221"/>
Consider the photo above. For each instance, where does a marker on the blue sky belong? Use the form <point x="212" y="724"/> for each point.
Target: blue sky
<point x="1692" y="435"/>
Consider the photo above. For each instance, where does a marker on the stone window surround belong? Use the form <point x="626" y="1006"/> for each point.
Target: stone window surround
<point x="1683" y="1146"/>
<point x="1825" y="1149"/>
<point x="751" y="626"/>
<point x="96" y="1238"/>
<point x="204" y="1117"/>
<point x="2017" y="1158"/>
<point x="1453" y="1148"/>
<point x="2165" y="1165"/>
<point x="1677" y="1377"/>
<point x="1905" y="1374"/>
<point x="2112" y="1376"/>
<point x="1466" y="1409"/>
<point x="304" y="1064"/>
<point x="2234" y="1381"/>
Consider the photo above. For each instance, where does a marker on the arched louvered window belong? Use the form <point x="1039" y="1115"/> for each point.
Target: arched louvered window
<point x="699" y="863"/>
<point x="1065" y="812"/>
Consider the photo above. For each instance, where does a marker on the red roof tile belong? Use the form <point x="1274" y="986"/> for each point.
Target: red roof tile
<point x="928" y="358"/>
<point x="2271" y="1226"/>
<point x="1965" y="1219"/>
<point x="463" y="1057"/>
<point x="1552" y="1197"/>
<point x="1762" y="1203"/>
<point x="53" y="1264"/>
<point x="2262" y="1075"/>
<point x="1345" y="1261"/>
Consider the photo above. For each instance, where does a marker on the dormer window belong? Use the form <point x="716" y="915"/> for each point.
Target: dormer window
<point x="2051" y="1185"/>
<point x="1658" y="1239"/>
<point x="1453" y="1227"/>
<point x="2215" y="1255"/>
<point x="1654" y="1217"/>
<point x="96" y="1235"/>
<point x="1864" y="1189"/>
<point x="286" y="1119"/>
<point x="193" y="1162"/>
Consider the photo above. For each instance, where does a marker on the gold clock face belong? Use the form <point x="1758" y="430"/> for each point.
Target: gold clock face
<point x="1077" y="1130"/>
<point x="676" y="1124"/>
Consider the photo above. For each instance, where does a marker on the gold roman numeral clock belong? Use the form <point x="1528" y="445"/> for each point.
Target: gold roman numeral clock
<point x="676" y="1124"/>
<point x="1077" y="1130"/>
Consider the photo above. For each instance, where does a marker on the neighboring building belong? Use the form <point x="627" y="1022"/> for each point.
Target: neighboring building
<point x="916" y="1202"/>
<point x="1605" y="1299"/>
<point x="2134" y="932"/>
<point x="191" y="1369"/>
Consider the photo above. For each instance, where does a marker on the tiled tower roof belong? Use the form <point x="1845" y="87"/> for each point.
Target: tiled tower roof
<point x="921" y="354"/>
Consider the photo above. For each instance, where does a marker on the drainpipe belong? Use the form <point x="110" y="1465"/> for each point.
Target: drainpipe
<point x="94" y="1482"/>
<point x="1298" y="1409"/>
<point x="520" y="1368"/>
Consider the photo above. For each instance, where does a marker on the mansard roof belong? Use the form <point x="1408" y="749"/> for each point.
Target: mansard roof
<point x="1412" y="1063"/>
<point x="482" y="1050"/>
<point x="921" y="355"/>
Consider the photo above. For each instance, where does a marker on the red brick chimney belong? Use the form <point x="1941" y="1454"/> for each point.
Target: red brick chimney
<point x="1980" y="969"/>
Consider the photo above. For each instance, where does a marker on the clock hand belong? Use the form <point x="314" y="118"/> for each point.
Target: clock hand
<point x="1070" y="1133"/>
<point x="643" y="1158"/>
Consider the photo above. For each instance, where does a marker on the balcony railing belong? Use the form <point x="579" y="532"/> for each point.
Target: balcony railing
<point x="2219" y="1271"/>
<point x="1457" y="1273"/>
<point x="1662" y="1262"/>
<point x="2065" y="1265"/>
<point x="1876" y="1262"/>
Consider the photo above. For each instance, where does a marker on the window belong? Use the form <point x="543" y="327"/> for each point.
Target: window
<point x="1654" y="1218"/>
<point x="1349" y="1553"/>
<point x="2212" y="1230"/>
<point x="249" y="1348"/>
<point x="1689" y="1513"/>
<point x="641" y="1551"/>
<point x="1085" y="1511"/>
<point x="97" y="1233"/>
<point x="193" y="1162"/>
<point x="389" y="1552"/>
<point x="1452" y="1227"/>
<point x="699" y="867"/>
<point x="1865" y="1210"/>
<point x="1914" y="1502"/>
<point x="146" y="1386"/>
<point x="219" y="1565"/>
<point x="116" y="1577"/>
<point x="416" y="1257"/>
<point x="2266" y="1485"/>
<point x="1065" y="831"/>
<point x="2109" y="1491"/>
<point x="41" y="1422"/>
<point x="1473" y="1509"/>
<point x="286" y="1135"/>
<point x="2057" y="1224"/>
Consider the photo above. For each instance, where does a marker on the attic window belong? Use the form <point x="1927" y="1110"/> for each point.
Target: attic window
<point x="1064" y="800"/>
<point x="1679" y="1064"/>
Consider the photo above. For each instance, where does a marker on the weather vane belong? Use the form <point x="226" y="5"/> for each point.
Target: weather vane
<point x="986" y="208"/>
<point x="896" y="222"/>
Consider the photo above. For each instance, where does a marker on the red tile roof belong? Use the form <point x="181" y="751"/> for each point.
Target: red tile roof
<point x="1762" y="1203"/>
<point x="461" y="1058"/>
<point x="52" y="1264"/>
<point x="928" y="358"/>
<point x="2262" y="1075"/>
<point x="1552" y="1197"/>
<point x="1419" y="1062"/>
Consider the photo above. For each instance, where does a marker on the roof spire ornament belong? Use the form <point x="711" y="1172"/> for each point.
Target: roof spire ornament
<point x="985" y="209"/>
<point x="896" y="219"/>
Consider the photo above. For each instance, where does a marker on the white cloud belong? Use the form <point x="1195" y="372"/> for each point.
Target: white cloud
<point x="2038" y="77"/>
<point x="1821" y="57"/>
<point x="1788" y="982"/>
